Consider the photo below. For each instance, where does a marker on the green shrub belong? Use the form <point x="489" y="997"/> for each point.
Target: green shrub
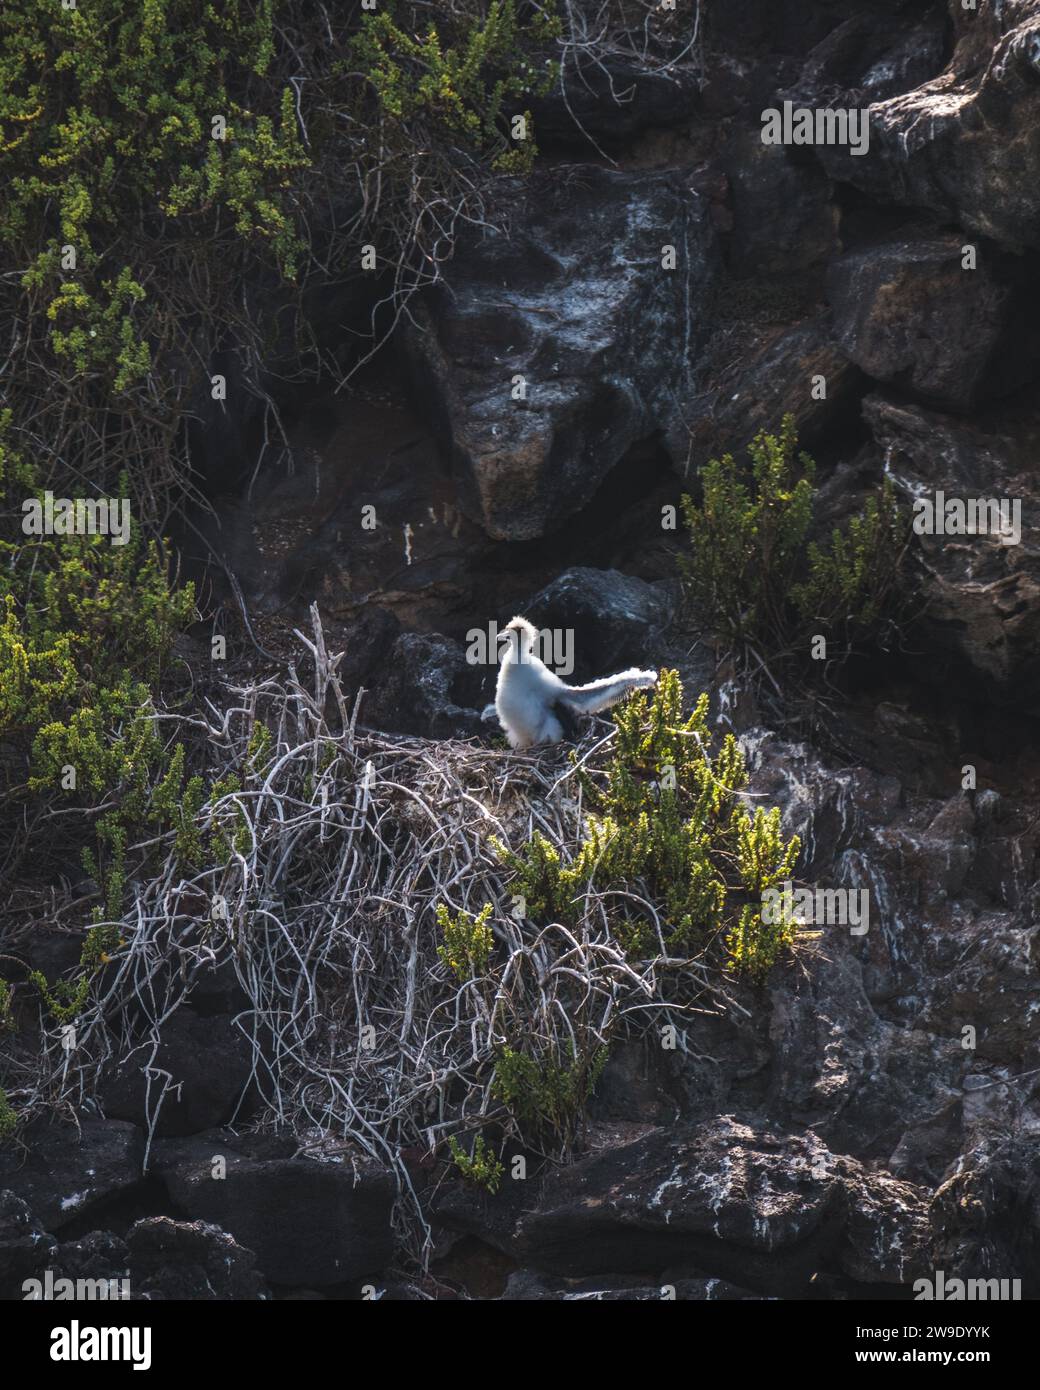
<point x="66" y="999"/>
<point x="669" y="823"/>
<point x="86" y="629"/>
<point x="853" y="582"/>
<point x="8" y="1117"/>
<point x="86" y="636"/>
<point x="467" y="941"/>
<point x="481" y="1167"/>
<point x="6" y="1018"/>
<point x="456" y="81"/>
<point x="546" y="1095"/>
<point x="106" y="110"/>
<point x="750" y="575"/>
<point x="85" y="633"/>
<point x="145" y="238"/>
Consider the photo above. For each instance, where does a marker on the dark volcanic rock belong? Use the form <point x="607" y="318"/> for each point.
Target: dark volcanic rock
<point x="713" y="1209"/>
<point x="908" y="313"/>
<point x="159" y="1259"/>
<point x="612" y="99"/>
<point x="25" y="1249"/>
<point x="780" y="376"/>
<point x="207" y="1058"/>
<point x="48" y="950"/>
<point x="525" y="1287"/>
<point x="827" y="808"/>
<point x="214" y="989"/>
<point x="747" y="1204"/>
<point x="929" y="1146"/>
<point x="309" y="1222"/>
<point x="985" y="974"/>
<point x="423" y="689"/>
<point x="368" y="654"/>
<point x="965" y="143"/>
<point x="868" y="58"/>
<point x="97" y="1255"/>
<point x="550" y="351"/>
<point x="616" y="618"/>
<point x="190" y="1259"/>
<point x="792" y="26"/>
<point x="784" y="216"/>
<point x="634" y="1086"/>
<point x="986" y="1216"/>
<point x="982" y="595"/>
<point x="70" y="1169"/>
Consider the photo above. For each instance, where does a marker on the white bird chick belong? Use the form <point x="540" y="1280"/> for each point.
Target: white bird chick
<point x="534" y="705"/>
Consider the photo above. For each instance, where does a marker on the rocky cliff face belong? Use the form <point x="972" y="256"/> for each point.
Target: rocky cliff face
<point x="873" y="1114"/>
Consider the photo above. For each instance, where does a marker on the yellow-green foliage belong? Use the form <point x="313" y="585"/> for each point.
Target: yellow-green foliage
<point x="17" y="474"/>
<point x="762" y="861"/>
<point x="546" y="1095"/>
<point x="85" y="632"/>
<point x="467" y="941"/>
<point x="481" y="1167"/>
<point x="749" y="574"/>
<point x="168" y="169"/>
<point x="65" y="999"/>
<point x="460" y="82"/>
<point x="852" y="581"/>
<point x="258" y="749"/>
<point x="105" y="116"/>
<point x="86" y="628"/>
<point x="8" y="1117"/>
<point x="177" y="803"/>
<point x="748" y="535"/>
<point x="6" y="1019"/>
<point x="669" y="823"/>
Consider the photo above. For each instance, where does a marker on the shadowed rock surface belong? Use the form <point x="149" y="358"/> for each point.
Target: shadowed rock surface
<point x="551" y="351"/>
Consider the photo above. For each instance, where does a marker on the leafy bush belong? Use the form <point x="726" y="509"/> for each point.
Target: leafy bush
<point x="8" y="1117"/>
<point x="481" y="1167"/>
<point x="109" y="108"/>
<point x="546" y="1095"/>
<point x="86" y="629"/>
<point x="751" y="577"/>
<point x="131" y="224"/>
<point x="467" y="941"/>
<point x="670" y="825"/>
<point x="853" y="581"/>
<point x="458" y="79"/>
<point x="86" y="633"/>
<point x="169" y="166"/>
<point x="66" y="998"/>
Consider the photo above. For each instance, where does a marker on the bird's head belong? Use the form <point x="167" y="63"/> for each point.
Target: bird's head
<point x="521" y="635"/>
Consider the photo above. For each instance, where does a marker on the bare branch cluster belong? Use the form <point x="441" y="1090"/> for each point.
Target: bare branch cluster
<point x="324" y="914"/>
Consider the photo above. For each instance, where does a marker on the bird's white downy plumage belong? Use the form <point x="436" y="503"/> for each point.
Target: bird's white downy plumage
<point x="528" y="691"/>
